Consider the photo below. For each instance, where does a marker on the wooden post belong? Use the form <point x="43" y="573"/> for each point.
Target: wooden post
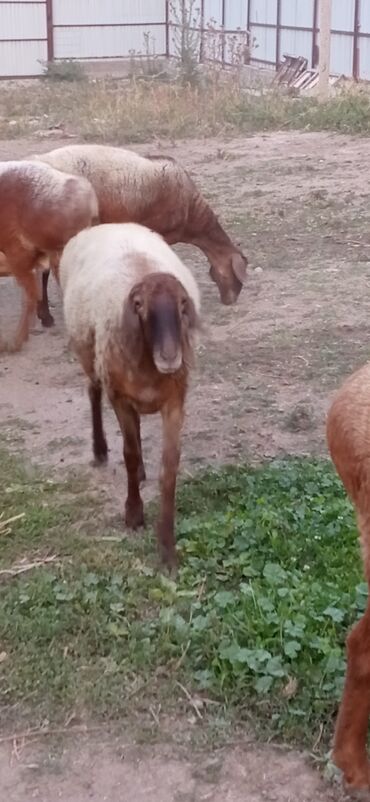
<point x="356" y="51"/>
<point x="325" y="41"/>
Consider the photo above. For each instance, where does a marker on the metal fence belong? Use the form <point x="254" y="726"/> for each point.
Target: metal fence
<point x="34" y="31"/>
<point x="23" y="37"/>
<point x="291" y="26"/>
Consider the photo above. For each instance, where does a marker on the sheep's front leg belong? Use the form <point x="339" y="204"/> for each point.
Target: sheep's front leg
<point x="172" y="417"/>
<point x="43" y="310"/>
<point x="141" y="469"/>
<point x="349" y="752"/>
<point x="129" y="422"/>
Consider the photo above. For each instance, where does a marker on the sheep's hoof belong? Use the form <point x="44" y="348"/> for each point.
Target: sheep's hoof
<point x="134" y="517"/>
<point x="44" y="314"/>
<point x="100" y="453"/>
<point x="99" y="462"/>
<point x="47" y="321"/>
<point x="169" y="560"/>
<point x="356" y="774"/>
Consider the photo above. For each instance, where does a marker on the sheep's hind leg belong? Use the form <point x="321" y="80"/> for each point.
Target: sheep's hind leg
<point x="129" y="422"/>
<point x="349" y="751"/>
<point x="100" y="447"/>
<point x="28" y="282"/>
<point x="43" y="310"/>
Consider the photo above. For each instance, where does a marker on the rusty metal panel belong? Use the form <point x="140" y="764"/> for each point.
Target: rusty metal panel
<point x="19" y="59"/>
<point x="93" y="42"/>
<point x="108" y="12"/>
<point x="297" y="14"/>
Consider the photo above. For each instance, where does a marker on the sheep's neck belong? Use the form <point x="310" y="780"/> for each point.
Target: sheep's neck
<point x="143" y="386"/>
<point x="204" y="230"/>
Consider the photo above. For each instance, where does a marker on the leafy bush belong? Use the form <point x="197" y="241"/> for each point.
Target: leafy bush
<point x="64" y="70"/>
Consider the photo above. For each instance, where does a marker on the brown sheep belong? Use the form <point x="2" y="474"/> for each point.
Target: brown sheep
<point x="156" y="192"/>
<point x="40" y="210"/>
<point x="131" y="308"/>
<point x="348" y="436"/>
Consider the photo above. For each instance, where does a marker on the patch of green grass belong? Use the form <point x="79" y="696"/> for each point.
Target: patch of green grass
<point x="270" y="582"/>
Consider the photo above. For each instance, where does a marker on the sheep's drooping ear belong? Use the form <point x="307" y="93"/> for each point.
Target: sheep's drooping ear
<point x="191" y="313"/>
<point x="131" y="312"/>
<point x="135" y="300"/>
<point x="239" y="266"/>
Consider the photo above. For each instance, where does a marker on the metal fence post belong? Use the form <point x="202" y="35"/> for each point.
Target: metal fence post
<point x="278" y="32"/>
<point x="201" y="43"/>
<point x="49" y="30"/>
<point x="223" y="33"/>
<point x="315" y="55"/>
<point x="167" y="23"/>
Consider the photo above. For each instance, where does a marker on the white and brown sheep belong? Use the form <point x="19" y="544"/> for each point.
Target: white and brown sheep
<point x="348" y="436"/>
<point x="131" y="308"/>
<point x="41" y="208"/>
<point x="157" y="192"/>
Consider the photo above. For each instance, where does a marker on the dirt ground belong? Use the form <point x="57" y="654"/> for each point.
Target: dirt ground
<point x="126" y="773"/>
<point x="299" y="205"/>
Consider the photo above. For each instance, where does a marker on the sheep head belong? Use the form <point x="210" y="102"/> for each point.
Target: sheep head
<point x="228" y="271"/>
<point x="163" y="317"/>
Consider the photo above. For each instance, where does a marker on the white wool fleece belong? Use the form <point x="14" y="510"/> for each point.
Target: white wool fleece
<point x="98" y="269"/>
<point x="126" y="180"/>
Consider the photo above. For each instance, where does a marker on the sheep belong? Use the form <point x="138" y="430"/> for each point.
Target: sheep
<point x="158" y="193"/>
<point x="131" y="311"/>
<point x="348" y="437"/>
<point x="41" y="208"/>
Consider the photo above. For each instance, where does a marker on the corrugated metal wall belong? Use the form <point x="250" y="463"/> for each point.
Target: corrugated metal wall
<point x="261" y="13"/>
<point x="364" y="42"/>
<point x="23" y="37"/>
<point x="296" y="15"/>
<point x="343" y="14"/>
<point x="32" y="30"/>
<point x="92" y="29"/>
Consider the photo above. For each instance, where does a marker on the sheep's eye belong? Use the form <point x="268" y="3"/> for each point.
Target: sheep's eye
<point x="137" y="305"/>
<point x="184" y="306"/>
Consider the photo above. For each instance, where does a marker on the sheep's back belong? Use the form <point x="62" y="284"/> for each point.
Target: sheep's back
<point x="43" y="205"/>
<point x="130" y="188"/>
